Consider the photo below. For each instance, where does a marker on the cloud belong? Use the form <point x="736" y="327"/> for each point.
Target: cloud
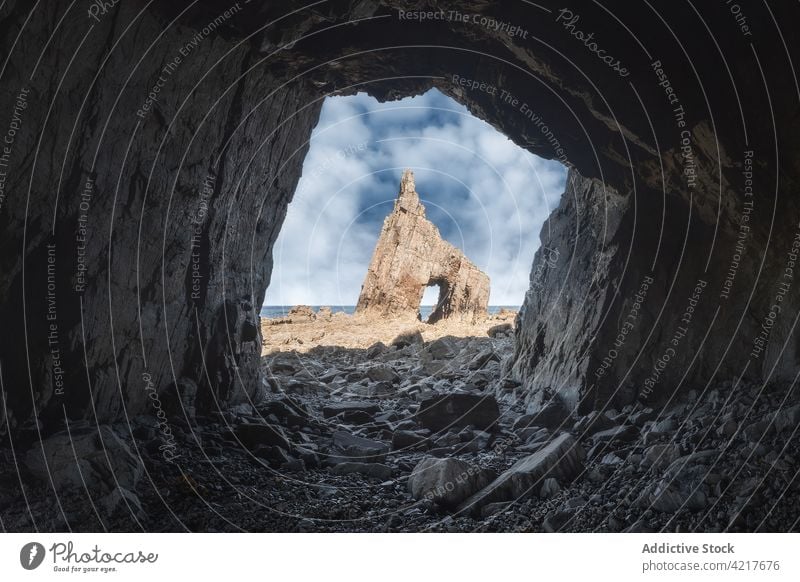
<point x="486" y="195"/>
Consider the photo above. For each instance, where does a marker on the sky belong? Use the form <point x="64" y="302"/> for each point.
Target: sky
<point x="486" y="195"/>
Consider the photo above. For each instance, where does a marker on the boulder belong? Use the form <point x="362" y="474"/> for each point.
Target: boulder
<point x="287" y="411"/>
<point x="787" y="418"/>
<point x="611" y="459"/>
<point x="682" y="486"/>
<point x="457" y="411"/>
<point x="446" y="482"/>
<point x="280" y="364"/>
<point x="550" y="488"/>
<point x="97" y="458"/>
<point x="660" y="456"/>
<point x="727" y="429"/>
<point x="359" y="449"/>
<point x="667" y="425"/>
<point x="408" y="338"/>
<point x="593" y="422"/>
<point x="758" y="431"/>
<point x="533" y="434"/>
<point x="561" y="459"/>
<point x="294" y="466"/>
<point x="522" y="422"/>
<point x="553" y="414"/>
<point x="482" y="358"/>
<point x="442" y="349"/>
<point x="501" y="329"/>
<point x="407" y="439"/>
<point x="671" y="497"/>
<point x="640" y="417"/>
<point x="382" y="373"/>
<point x="375" y="350"/>
<point x="301" y="313"/>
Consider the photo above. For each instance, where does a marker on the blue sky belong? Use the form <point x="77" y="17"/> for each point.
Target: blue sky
<point x="487" y="196"/>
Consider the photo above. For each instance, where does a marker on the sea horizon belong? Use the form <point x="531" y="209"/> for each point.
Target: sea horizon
<point x="275" y="311"/>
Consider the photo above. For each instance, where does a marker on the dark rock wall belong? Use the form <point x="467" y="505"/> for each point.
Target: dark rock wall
<point x="171" y="211"/>
<point x="228" y="129"/>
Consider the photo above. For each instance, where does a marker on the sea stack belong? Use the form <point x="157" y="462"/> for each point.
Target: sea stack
<point x="410" y="256"/>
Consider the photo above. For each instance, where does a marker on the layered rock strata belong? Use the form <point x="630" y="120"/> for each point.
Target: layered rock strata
<point x="411" y="255"/>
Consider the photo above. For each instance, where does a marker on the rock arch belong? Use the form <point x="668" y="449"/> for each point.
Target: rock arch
<point x="411" y="255"/>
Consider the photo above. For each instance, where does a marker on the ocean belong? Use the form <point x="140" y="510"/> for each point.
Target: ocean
<point x="275" y="311"/>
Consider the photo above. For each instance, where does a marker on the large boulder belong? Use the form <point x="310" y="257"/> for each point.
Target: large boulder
<point x="446" y="482"/>
<point x="457" y="411"/>
<point x="561" y="459"/>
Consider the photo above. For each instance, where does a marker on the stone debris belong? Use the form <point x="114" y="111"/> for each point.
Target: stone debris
<point x="446" y="482"/>
<point x="447" y="411"/>
<point x="406" y="437"/>
<point x="562" y="459"/>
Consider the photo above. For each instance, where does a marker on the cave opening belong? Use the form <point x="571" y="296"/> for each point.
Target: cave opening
<point x="486" y="196"/>
<point x="625" y="248"/>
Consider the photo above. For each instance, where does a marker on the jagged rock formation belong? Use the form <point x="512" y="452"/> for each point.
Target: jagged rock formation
<point x="147" y="179"/>
<point x="411" y="255"/>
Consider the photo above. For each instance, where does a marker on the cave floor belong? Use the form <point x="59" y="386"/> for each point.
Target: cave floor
<point x="714" y="461"/>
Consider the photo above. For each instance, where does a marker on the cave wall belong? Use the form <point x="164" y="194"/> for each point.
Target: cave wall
<point x="179" y="205"/>
<point x="141" y="235"/>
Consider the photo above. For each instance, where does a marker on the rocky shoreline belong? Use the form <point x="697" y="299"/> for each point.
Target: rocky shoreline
<point x="413" y="435"/>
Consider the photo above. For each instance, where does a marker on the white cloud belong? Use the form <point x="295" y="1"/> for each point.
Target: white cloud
<point x="488" y="196"/>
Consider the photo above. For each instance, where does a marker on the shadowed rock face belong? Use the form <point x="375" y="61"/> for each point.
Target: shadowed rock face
<point x="137" y="231"/>
<point x="410" y="256"/>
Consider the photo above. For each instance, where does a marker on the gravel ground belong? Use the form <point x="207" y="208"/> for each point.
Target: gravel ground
<point x="327" y="455"/>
